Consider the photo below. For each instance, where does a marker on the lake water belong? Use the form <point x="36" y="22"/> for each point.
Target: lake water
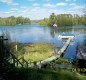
<point x="36" y="33"/>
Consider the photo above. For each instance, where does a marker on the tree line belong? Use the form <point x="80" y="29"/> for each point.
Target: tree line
<point x="14" y="20"/>
<point x="64" y="20"/>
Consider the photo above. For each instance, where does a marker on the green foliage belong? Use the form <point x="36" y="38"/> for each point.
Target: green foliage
<point x="44" y="22"/>
<point x="61" y="60"/>
<point x="52" y="19"/>
<point x="14" y="20"/>
<point x="83" y="19"/>
<point x="39" y="74"/>
<point x="64" y="20"/>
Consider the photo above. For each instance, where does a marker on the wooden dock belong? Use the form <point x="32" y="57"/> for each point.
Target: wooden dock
<point x="23" y="63"/>
<point x="66" y="36"/>
<point x="62" y="50"/>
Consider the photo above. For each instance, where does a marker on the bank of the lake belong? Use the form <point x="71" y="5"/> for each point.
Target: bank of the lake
<point x="34" y="33"/>
<point x="34" y="52"/>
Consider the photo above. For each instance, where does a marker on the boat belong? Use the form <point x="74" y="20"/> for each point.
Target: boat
<point x="55" y="25"/>
<point x="66" y="36"/>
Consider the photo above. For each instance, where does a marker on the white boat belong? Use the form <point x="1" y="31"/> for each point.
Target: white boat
<point x="55" y="25"/>
<point x="66" y="36"/>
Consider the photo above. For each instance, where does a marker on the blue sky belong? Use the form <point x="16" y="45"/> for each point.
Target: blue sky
<point x="39" y="9"/>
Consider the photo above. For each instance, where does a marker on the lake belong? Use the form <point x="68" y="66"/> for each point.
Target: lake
<point x="36" y="33"/>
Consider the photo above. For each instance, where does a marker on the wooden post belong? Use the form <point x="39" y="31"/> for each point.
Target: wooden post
<point x="16" y="47"/>
<point x="2" y="50"/>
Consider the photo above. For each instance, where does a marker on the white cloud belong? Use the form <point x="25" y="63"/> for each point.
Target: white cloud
<point x="61" y="4"/>
<point x="1" y="12"/>
<point x="14" y="9"/>
<point x="9" y="12"/>
<point x="38" y="12"/>
<point x="31" y="0"/>
<point x="23" y="7"/>
<point x="46" y="0"/>
<point x="7" y="1"/>
<point x="35" y="4"/>
<point x="34" y="13"/>
<point x="70" y="0"/>
<point x="15" y="4"/>
<point x="49" y="5"/>
<point x="76" y="9"/>
<point x="72" y="4"/>
<point x="74" y="0"/>
<point x="67" y="0"/>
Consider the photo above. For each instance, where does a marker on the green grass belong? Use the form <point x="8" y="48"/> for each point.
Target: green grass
<point x="61" y="60"/>
<point x="38" y="51"/>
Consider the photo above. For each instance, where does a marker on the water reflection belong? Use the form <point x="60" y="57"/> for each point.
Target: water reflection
<point x="35" y="33"/>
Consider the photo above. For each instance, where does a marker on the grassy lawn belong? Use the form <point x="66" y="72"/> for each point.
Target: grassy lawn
<point x="38" y="51"/>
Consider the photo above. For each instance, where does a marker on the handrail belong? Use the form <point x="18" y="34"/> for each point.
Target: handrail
<point x="23" y="61"/>
<point x="80" y="51"/>
<point x="13" y="56"/>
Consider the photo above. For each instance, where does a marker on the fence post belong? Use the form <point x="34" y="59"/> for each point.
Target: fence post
<point x="1" y="51"/>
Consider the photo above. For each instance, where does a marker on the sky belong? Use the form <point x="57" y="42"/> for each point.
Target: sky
<point x="39" y="9"/>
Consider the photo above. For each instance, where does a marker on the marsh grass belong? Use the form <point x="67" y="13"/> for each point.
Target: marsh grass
<point x="38" y="51"/>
